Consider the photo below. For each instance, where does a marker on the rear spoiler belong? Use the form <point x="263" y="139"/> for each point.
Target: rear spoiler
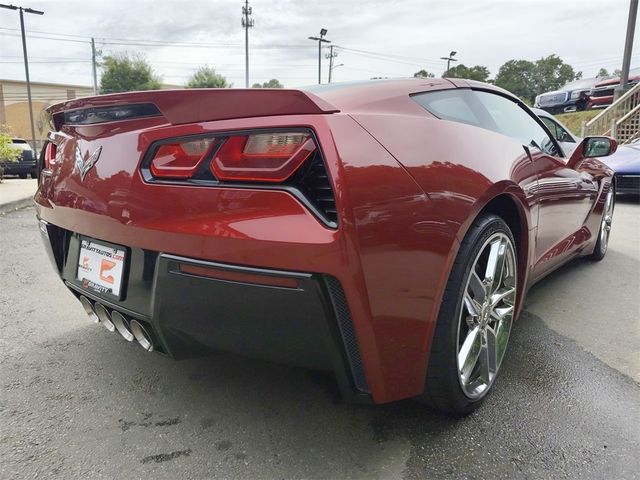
<point x="192" y="105"/>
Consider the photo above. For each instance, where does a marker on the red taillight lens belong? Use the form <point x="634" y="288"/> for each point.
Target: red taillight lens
<point x="179" y="160"/>
<point x="264" y="157"/>
<point x="50" y="154"/>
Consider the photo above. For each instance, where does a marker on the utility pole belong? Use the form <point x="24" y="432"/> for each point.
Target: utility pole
<point x="449" y="59"/>
<point x="247" y="23"/>
<point x="26" y="62"/>
<point x="628" y="46"/>
<point x="331" y="55"/>
<point x="93" y="64"/>
<point x="320" y="40"/>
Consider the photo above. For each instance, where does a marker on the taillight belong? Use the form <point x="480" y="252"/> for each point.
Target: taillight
<point x="179" y="159"/>
<point x="50" y="154"/>
<point x="264" y="157"/>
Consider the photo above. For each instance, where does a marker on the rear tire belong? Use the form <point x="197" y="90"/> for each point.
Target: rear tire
<point x="602" y="244"/>
<point x="474" y="323"/>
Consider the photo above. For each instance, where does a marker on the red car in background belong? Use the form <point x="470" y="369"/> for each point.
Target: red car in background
<point x="387" y="231"/>
<point x="601" y="95"/>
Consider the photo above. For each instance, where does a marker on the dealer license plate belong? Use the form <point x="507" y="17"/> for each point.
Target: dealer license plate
<point x="100" y="267"/>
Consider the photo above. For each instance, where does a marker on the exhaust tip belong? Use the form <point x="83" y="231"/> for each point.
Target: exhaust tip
<point x="141" y="335"/>
<point x="120" y="322"/>
<point x="105" y="318"/>
<point x="89" y="309"/>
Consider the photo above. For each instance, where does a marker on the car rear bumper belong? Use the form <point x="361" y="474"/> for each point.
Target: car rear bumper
<point x="15" y="168"/>
<point x="191" y="307"/>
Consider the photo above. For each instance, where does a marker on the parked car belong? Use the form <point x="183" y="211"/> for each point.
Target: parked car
<point x="26" y="164"/>
<point x="387" y="231"/>
<point x="570" y="98"/>
<point x="567" y="140"/>
<point x="625" y="161"/>
<point x="602" y="94"/>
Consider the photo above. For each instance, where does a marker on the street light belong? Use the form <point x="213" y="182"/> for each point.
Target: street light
<point x="449" y="59"/>
<point x="26" y="61"/>
<point x="320" y="40"/>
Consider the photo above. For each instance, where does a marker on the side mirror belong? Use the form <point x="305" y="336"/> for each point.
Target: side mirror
<point x="591" y="147"/>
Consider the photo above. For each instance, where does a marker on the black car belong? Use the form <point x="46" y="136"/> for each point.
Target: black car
<point x="26" y="164"/>
<point x="574" y="96"/>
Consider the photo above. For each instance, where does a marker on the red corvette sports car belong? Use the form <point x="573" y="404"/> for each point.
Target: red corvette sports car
<point x="387" y="231"/>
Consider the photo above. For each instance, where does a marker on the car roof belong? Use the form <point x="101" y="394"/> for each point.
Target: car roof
<point x="383" y="94"/>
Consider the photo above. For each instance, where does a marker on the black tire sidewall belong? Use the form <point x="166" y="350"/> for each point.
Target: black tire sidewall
<point x="443" y="385"/>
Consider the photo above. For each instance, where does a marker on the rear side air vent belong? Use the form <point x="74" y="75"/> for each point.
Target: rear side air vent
<point x="314" y="182"/>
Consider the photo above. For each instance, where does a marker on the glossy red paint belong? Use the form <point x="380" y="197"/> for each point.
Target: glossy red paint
<point x="407" y="187"/>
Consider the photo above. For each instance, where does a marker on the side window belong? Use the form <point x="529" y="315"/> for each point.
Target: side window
<point x="559" y="133"/>
<point x="551" y="125"/>
<point x="455" y="105"/>
<point x="488" y="110"/>
<point x="515" y="122"/>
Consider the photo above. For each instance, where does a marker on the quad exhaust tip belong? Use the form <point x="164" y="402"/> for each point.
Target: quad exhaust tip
<point x="105" y="318"/>
<point x="89" y="309"/>
<point x="141" y="335"/>
<point x="129" y="329"/>
<point x="121" y="325"/>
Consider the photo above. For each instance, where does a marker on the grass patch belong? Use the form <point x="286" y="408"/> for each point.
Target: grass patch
<point x="574" y="120"/>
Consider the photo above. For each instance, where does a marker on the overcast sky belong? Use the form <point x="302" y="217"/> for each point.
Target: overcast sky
<point x="405" y="35"/>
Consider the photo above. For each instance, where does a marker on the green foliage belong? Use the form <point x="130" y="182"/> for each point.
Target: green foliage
<point x="477" y="72"/>
<point x="206" y="77"/>
<point x="8" y="152"/>
<point x="122" y="73"/>
<point x="517" y="76"/>
<point x="527" y="79"/>
<point x="423" y="74"/>
<point x="603" y="72"/>
<point x="273" y="83"/>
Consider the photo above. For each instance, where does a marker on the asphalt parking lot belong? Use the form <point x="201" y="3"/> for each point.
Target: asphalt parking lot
<point x="79" y="402"/>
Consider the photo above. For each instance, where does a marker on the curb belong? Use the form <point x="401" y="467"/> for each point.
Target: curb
<point x="16" y="205"/>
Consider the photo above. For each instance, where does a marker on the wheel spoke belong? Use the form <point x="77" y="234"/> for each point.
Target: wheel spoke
<point x="495" y="264"/>
<point x="501" y="313"/>
<point x="469" y="352"/>
<point x="477" y="288"/>
<point x="488" y="358"/>
<point x="506" y="294"/>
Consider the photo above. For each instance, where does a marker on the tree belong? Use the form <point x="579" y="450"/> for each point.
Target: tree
<point x="527" y="79"/>
<point x="273" y="83"/>
<point x="206" y="77"/>
<point x="122" y="73"/>
<point x="603" y="72"/>
<point x="477" y="72"/>
<point x="517" y="76"/>
<point x="8" y="152"/>
<point x="423" y="74"/>
<point x="551" y="73"/>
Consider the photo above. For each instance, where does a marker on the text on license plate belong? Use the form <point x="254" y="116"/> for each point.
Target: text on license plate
<point x="100" y="267"/>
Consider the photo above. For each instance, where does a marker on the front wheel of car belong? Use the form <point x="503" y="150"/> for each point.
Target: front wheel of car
<point x="474" y="323"/>
<point x="602" y="243"/>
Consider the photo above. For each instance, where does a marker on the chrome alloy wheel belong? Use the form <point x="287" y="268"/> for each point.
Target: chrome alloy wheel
<point x="607" y="218"/>
<point x="486" y="315"/>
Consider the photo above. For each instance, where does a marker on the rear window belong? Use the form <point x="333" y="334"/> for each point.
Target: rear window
<point x="490" y="111"/>
<point x="454" y="105"/>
